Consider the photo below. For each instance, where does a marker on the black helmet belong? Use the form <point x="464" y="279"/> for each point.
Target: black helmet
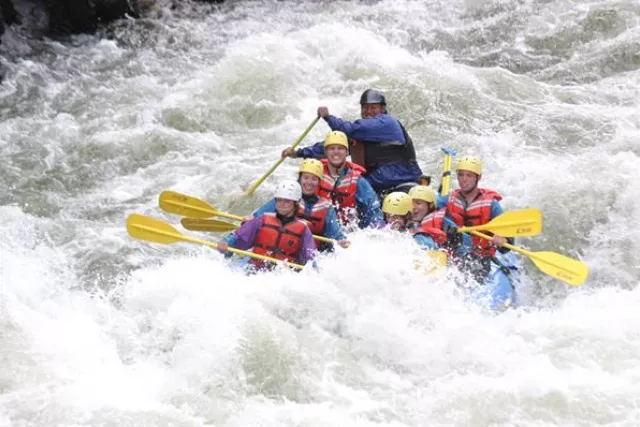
<point x="372" y="96"/>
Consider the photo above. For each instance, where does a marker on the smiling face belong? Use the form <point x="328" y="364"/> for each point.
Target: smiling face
<point x="368" y="111"/>
<point x="336" y="154"/>
<point x="467" y="181"/>
<point x="420" y="210"/>
<point x="309" y="183"/>
<point x="285" y="207"/>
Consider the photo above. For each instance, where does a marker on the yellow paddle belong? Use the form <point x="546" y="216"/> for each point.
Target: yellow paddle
<point x="561" y="267"/>
<point x="518" y="223"/>
<point x="446" y="173"/>
<point x="184" y="205"/>
<point x="437" y="260"/>
<point x="251" y="189"/>
<point x="153" y="230"/>
<point x="211" y="225"/>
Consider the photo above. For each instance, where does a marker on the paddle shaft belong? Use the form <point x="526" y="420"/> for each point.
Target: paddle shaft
<point x="446" y="173"/>
<point x="563" y="268"/>
<point x="279" y="162"/>
<point x="179" y="236"/>
<point x="205" y="227"/>
<point x="200" y="206"/>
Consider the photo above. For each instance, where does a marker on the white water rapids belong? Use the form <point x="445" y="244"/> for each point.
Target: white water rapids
<point x="99" y="329"/>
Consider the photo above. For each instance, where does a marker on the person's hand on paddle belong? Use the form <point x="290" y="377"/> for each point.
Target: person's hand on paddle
<point x="246" y="218"/>
<point x="223" y="246"/>
<point x="289" y="152"/>
<point x="323" y="112"/>
<point x="498" y="241"/>
<point x="344" y="243"/>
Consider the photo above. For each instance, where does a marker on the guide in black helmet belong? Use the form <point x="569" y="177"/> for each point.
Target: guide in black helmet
<point x="377" y="141"/>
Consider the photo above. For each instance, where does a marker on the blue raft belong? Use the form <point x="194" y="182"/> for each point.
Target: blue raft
<point x="498" y="291"/>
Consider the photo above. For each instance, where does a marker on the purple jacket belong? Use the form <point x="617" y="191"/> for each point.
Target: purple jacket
<point x="245" y="236"/>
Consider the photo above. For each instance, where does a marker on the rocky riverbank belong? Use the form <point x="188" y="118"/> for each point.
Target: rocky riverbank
<point x="65" y="17"/>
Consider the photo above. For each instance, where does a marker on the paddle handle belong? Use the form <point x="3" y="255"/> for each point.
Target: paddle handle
<point x="279" y="162"/>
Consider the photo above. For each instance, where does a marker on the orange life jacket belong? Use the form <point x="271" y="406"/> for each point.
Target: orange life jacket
<point x="342" y="190"/>
<point x="474" y="212"/>
<point x="317" y="217"/>
<point x="278" y="241"/>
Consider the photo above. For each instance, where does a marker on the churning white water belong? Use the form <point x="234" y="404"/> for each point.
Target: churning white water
<point x="99" y="329"/>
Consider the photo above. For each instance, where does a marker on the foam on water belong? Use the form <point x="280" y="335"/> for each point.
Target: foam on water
<point x="100" y="329"/>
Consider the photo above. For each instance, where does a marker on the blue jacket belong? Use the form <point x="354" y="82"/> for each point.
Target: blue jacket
<point x="382" y="128"/>
<point x="331" y="228"/>
<point x="425" y="242"/>
<point x="368" y="205"/>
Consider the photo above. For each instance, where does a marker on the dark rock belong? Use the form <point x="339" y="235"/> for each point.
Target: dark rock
<point x="110" y="10"/>
<point x="70" y="17"/>
<point x="82" y="16"/>
<point x="8" y="14"/>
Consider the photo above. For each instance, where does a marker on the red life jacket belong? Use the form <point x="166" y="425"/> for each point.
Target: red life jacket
<point x="431" y="225"/>
<point x="317" y="217"/>
<point x="342" y="190"/>
<point x="434" y="220"/>
<point x="275" y="240"/>
<point x="475" y="212"/>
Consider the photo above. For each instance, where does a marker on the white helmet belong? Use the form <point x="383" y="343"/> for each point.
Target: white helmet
<point x="289" y="190"/>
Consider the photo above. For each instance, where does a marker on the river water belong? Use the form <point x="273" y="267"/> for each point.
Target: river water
<point x="99" y="329"/>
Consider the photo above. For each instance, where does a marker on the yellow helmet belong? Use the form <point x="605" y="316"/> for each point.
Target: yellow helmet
<point x="422" y="192"/>
<point x="312" y="166"/>
<point x="397" y="203"/>
<point x="336" y="137"/>
<point x="471" y="164"/>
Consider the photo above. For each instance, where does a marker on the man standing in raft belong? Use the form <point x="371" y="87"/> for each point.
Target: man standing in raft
<point x="378" y="142"/>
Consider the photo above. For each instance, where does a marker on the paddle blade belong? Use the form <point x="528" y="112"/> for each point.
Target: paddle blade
<point x="518" y="223"/>
<point x="183" y="205"/>
<point x="436" y="262"/>
<point x="152" y="230"/>
<point x="212" y="225"/>
<point x="569" y="270"/>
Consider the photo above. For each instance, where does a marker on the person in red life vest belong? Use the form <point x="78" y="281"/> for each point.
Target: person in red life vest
<point x="424" y="203"/>
<point x="317" y="211"/>
<point x="344" y="185"/>
<point x="379" y="143"/>
<point x="424" y="218"/>
<point x="397" y="208"/>
<point x="470" y="206"/>
<point x="278" y="234"/>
